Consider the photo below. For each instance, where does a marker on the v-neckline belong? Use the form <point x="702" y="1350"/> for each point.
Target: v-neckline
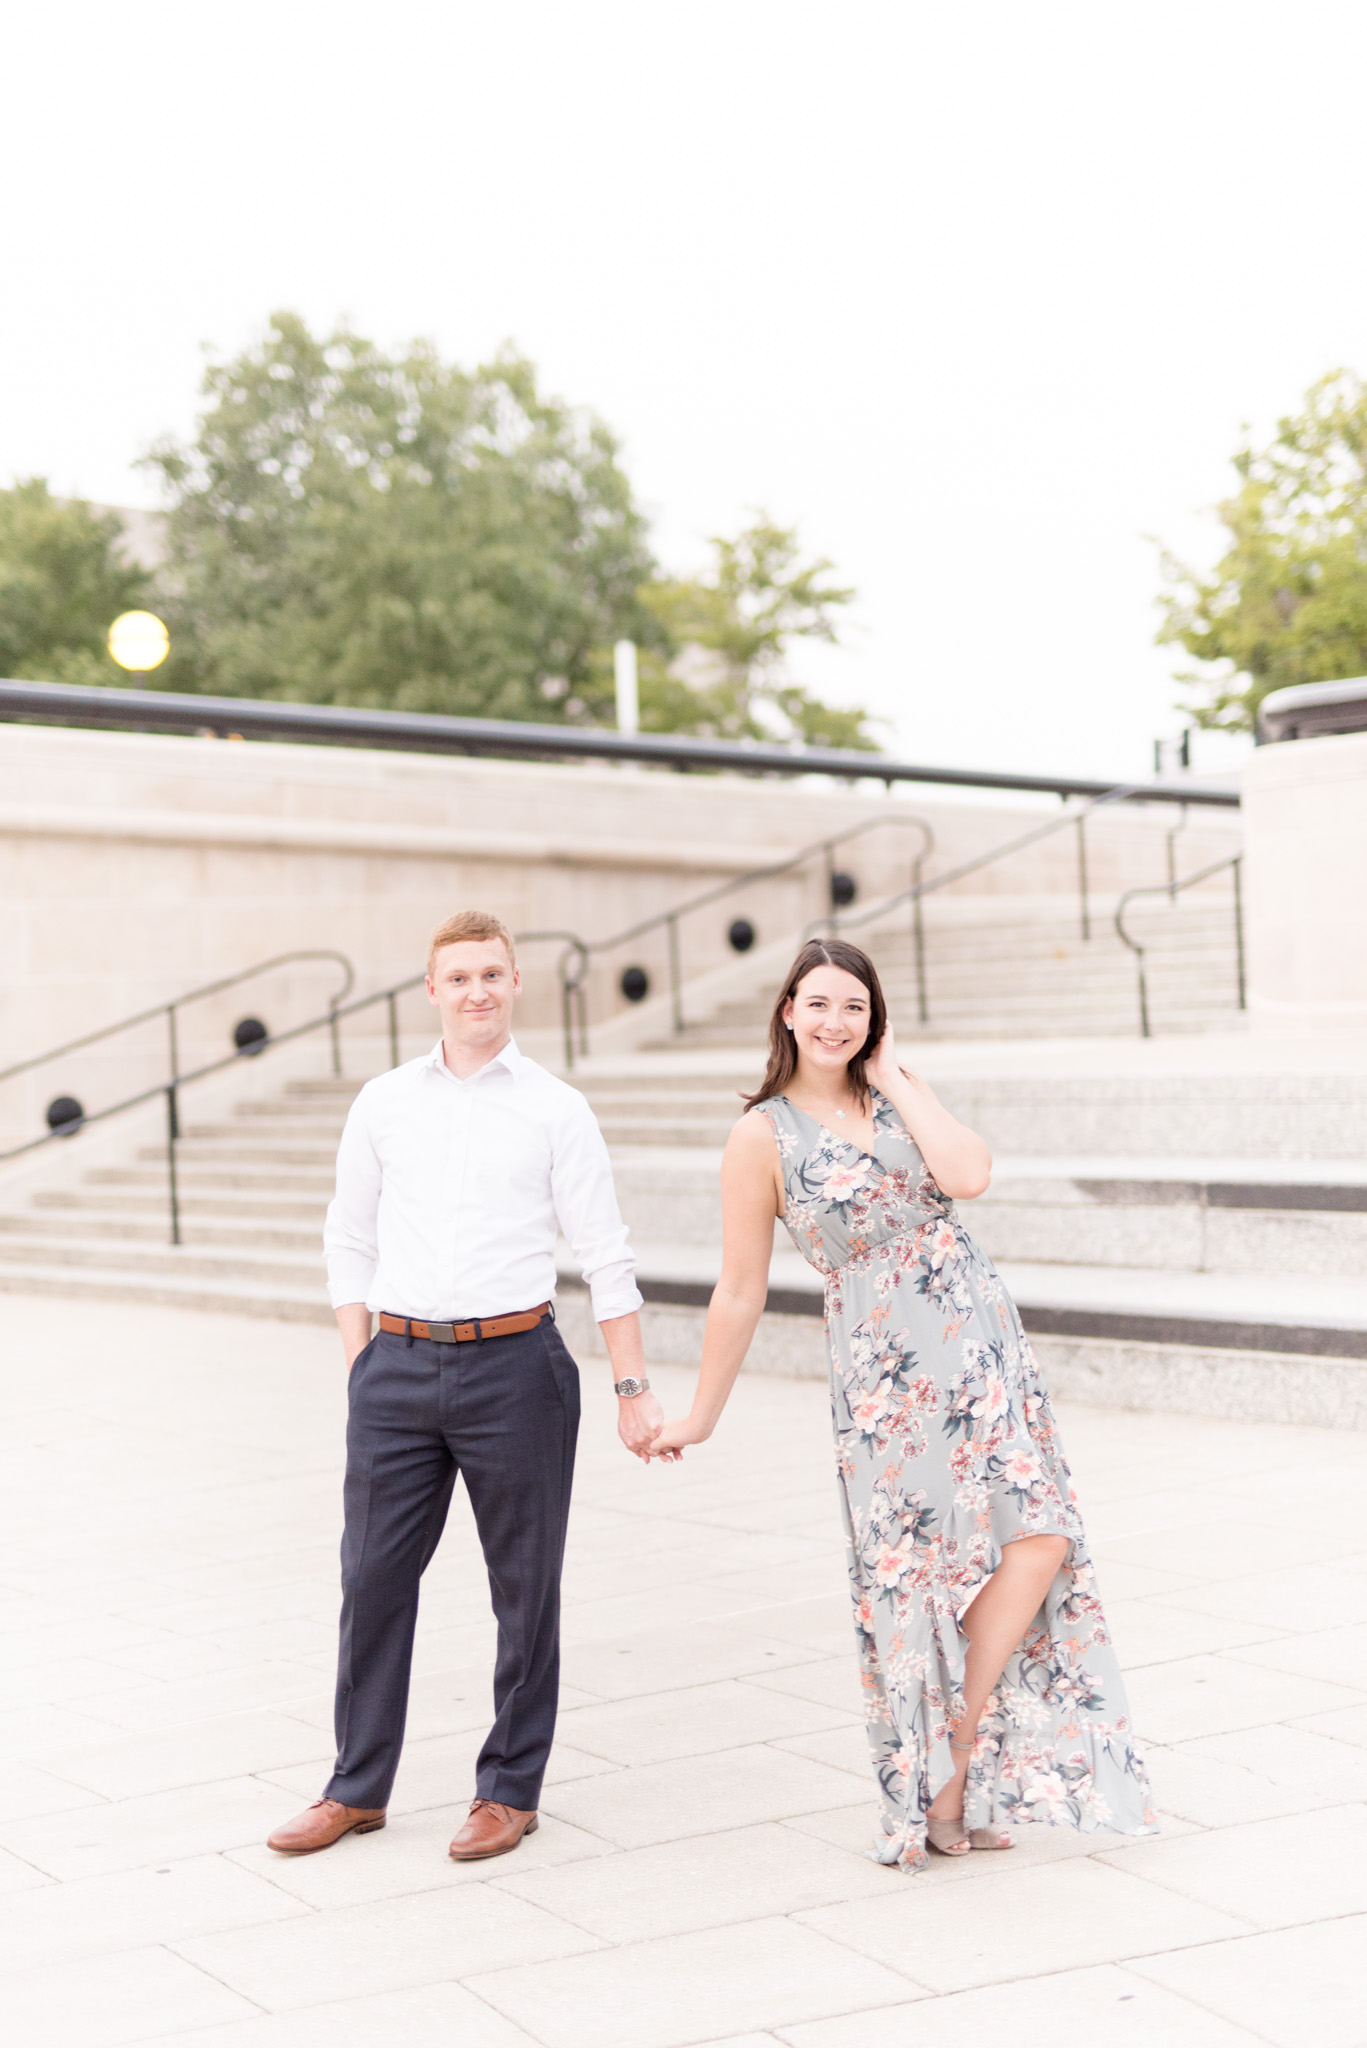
<point x="847" y="1142"/>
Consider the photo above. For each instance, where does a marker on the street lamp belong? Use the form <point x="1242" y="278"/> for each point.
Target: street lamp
<point x="138" y="641"/>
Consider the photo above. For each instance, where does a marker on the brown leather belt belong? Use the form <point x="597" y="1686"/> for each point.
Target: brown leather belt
<point x="466" y="1333"/>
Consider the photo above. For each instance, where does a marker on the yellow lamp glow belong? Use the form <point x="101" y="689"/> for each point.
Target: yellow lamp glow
<point x="139" y="641"/>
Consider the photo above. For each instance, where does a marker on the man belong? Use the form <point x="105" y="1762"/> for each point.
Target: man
<point x="451" y="1173"/>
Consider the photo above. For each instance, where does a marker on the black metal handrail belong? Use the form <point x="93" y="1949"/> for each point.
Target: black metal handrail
<point x="921" y="889"/>
<point x="575" y="962"/>
<point x="116" y="709"/>
<point x="1170" y="890"/>
<point x="170" y="1010"/>
<point x="170" y="1090"/>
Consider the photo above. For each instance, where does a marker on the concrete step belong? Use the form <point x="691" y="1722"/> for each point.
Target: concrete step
<point x="248" y="1267"/>
<point x="152" y="1226"/>
<point x="241" y="1151"/>
<point x="1227" y="1218"/>
<point x="236" y="1207"/>
<point x="193" y="1174"/>
<point x="173" y="1289"/>
<point x="315" y="1131"/>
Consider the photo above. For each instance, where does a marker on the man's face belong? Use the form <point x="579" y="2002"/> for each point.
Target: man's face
<point x="474" y="984"/>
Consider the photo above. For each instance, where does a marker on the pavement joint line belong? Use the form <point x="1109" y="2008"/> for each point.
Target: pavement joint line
<point x="1197" y="2004"/>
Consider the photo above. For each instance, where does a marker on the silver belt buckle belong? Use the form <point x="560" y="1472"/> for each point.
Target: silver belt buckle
<point x="443" y="1333"/>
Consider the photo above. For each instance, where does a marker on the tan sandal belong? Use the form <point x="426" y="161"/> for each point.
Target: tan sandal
<point x="953" y="1838"/>
<point x="948" y="1837"/>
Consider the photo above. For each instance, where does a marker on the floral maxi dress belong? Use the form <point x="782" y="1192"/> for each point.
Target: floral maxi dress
<point x="948" y="1450"/>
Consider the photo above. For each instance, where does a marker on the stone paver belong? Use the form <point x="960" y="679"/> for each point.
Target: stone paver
<point x="168" y="1600"/>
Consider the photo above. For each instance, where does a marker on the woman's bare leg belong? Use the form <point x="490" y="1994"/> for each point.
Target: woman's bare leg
<point x="995" y="1624"/>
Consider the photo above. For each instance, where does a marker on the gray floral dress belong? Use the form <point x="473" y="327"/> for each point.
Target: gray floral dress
<point x="947" y="1450"/>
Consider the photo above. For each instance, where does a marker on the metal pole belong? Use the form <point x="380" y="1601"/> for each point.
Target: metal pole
<point x="918" y="937"/>
<point x="1082" y="876"/>
<point x="1144" y="1030"/>
<point x="675" y="976"/>
<point x="1239" y="928"/>
<point x="172" y="1134"/>
<point x="1180" y="826"/>
<point x="566" y="1017"/>
<point x="336" y="1038"/>
<point x="171" y="1034"/>
<point x="392" y="1001"/>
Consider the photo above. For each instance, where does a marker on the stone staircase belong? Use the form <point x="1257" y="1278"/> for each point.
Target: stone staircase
<point x="1181" y="1228"/>
<point x="253" y="1189"/>
<point x="1002" y="967"/>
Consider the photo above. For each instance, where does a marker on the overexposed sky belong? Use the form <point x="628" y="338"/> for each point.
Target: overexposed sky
<point x="978" y="296"/>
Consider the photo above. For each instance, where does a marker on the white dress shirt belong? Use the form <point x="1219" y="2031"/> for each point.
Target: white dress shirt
<point x="448" y="1193"/>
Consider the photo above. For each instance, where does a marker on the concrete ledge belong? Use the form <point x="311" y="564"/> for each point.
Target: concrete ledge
<point x="1313" y="1340"/>
<point x="1265" y="1386"/>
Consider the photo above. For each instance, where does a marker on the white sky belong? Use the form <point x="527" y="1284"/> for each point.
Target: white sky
<point x="978" y="295"/>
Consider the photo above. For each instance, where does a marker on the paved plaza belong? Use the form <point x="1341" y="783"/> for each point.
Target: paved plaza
<point x="168" y="1583"/>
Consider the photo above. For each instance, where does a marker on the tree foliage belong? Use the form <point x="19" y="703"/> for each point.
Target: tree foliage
<point x="723" y="639"/>
<point x="351" y="527"/>
<point x="63" y="582"/>
<point x="1287" y="602"/>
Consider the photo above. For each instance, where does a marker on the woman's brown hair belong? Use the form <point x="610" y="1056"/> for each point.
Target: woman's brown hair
<point x="782" y="1046"/>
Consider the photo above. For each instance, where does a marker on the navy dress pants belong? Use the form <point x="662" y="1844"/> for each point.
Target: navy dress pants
<point x="504" y="1413"/>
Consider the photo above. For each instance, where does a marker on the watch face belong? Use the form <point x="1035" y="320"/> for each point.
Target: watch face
<point x="628" y="1388"/>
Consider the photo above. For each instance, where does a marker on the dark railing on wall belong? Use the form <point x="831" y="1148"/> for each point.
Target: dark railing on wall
<point x="156" y="711"/>
<point x="1075" y="820"/>
<point x="1170" y="889"/>
<point x="575" y="962"/>
<point x="416" y="732"/>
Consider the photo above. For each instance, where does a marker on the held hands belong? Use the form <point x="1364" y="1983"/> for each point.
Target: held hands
<point x="675" y="1436"/>
<point x="639" y="1422"/>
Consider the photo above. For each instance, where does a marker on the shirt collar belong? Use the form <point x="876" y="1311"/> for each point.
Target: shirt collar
<point x="511" y="1059"/>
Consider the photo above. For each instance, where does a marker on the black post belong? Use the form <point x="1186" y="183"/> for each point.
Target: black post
<point x="567" y="1016"/>
<point x="1239" y="928"/>
<point x="172" y="1134"/>
<point x="174" y="1048"/>
<point x="1082" y="877"/>
<point x="918" y="937"/>
<point x="675" y="977"/>
<point x="336" y="1038"/>
<point x="1144" y="1030"/>
<point x="392" y="1001"/>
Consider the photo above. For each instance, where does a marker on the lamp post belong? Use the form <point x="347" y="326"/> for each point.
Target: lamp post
<point x="139" y="642"/>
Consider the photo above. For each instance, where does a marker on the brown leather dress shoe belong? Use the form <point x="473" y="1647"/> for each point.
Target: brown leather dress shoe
<point x="492" y="1830"/>
<point x="322" y="1824"/>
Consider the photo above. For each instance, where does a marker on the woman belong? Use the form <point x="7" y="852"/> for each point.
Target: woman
<point x="990" y="1683"/>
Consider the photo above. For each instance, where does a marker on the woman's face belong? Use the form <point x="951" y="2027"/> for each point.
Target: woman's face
<point x="830" y="1015"/>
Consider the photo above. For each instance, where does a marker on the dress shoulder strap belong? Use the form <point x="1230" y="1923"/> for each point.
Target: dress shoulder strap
<point x="778" y="1112"/>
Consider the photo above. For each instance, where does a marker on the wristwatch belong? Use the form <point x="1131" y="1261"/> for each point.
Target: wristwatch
<point x="628" y="1389"/>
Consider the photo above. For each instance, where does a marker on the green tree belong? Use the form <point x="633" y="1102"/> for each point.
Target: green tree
<point x="1287" y="602"/>
<point x="716" y="664"/>
<point x="351" y="527"/>
<point x="62" y="584"/>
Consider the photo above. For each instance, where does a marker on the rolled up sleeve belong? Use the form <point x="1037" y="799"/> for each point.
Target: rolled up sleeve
<point x="586" y="1207"/>
<point x="350" y="1240"/>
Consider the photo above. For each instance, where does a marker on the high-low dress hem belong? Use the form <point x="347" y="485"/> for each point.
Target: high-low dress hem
<point x="947" y="1450"/>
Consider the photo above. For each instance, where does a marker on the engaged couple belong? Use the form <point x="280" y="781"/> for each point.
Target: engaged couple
<point x="991" y="1687"/>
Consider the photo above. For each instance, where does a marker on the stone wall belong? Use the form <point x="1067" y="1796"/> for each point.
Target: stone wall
<point x="134" y="867"/>
<point x="1305" y="809"/>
